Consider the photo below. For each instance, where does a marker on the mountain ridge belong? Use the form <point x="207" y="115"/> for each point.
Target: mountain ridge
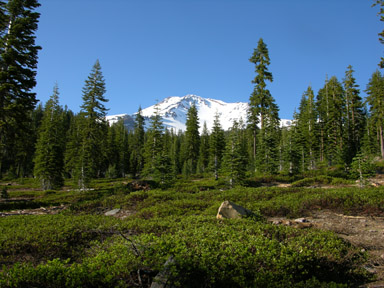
<point x="173" y="111"/>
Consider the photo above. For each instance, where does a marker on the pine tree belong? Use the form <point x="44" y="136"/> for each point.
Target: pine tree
<point x="94" y="131"/>
<point x="18" y="62"/>
<point x="176" y="152"/>
<point x="331" y="108"/>
<point x="49" y="161"/>
<point x="375" y="100"/>
<point x="154" y="144"/>
<point x="204" y="150"/>
<point x="264" y="111"/>
<point x="234" y="160"/>
<point x="164" y="170"/>
<point x="306" y="133"/>
<point x="216" y="146"/>
<point x="72" y="149"/>
<point x="137" y="159"/>
<point x="355" y="117"/>
<point x="124" y="151"/>
<point x="381" y="34"/>
<point x="192" y="138"/>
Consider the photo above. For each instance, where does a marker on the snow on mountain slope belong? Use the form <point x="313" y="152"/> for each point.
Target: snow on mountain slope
<point x="173" y="111"/>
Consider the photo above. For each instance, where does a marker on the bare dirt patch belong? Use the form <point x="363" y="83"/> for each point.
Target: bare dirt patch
<point x="365" y="232"/>
<point x="37" y="211"/>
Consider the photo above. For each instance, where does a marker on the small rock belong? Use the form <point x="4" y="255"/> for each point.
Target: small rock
<point x="370" y="269"/>
<point x="112" y="212"/>
<point x="276" y="222"/>
<point x="301" y="220"/>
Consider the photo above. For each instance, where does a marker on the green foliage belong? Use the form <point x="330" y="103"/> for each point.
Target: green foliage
<point x="93" y="132"/>
<point x="18" y="62"/>
<point x="49" y="160"/>
<point x="4" y="193"/>
<point x="362" y="168"/>
<point x="238" y="253"/>
<point x="319" y="180"/>
<point x="87" y="250"/>
<point x="234" y="160"/>
<point x="192" y="139"/>
<point x="263" y="110"/>
<point x="375" y="89"/>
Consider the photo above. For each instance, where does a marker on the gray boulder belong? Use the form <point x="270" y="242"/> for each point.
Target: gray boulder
<point x="112" y="212"/>
<point x="231" y="210"/>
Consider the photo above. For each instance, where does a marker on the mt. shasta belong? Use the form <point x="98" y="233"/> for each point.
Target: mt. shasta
<point x="173" y="111"/>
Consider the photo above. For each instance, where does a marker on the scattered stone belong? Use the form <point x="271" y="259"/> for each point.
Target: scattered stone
<point x="370" y="269"/>
<point x="231" y="210"/>
<point x="276" y="222"/>
<point x="112" y="212"/>
<point x="162" y="278"/>
<point x="301" y="220"/>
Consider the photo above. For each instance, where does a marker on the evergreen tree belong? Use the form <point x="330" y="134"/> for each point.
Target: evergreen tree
<point x="234" y="160"/>
<point x="306" y="136"/>
<point x="263" y="111"/>
<point x="49" y="161"/>
<point x="381" y="34"/>
<point x="137" y="159"/>
<point x="154" y="144"/>
<point x="192" y="139"/>
<point x="72" y="150"/>
<point x="176" y="152"/>
<point x="331" y="109"/>
<point x="164" y="170"/>
<point x="92" y="156"/>
<point x="122" y="143"/>
<point x="216" y="146"/>
<point x="355" y="117"/>
<point x="18" y="62"/>
<point x="204" y="150"/>
<point x="375" y="100"/>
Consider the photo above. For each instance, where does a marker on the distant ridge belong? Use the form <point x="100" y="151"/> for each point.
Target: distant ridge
<point x="173" y="111"/>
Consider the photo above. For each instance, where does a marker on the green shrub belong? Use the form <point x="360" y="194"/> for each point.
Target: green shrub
<point x="4" y="193"/>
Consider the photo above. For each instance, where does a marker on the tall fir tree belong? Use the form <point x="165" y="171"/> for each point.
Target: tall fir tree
<point x="354" y="118"/>
<point x="331" y="109"/>
<point x="153" y="146"/>
<point x="216" y="146"/>
<point x="49" y="160"/>
<point x="234" y="159"/>
<point x="263" y="111"/>
<point x="137" y="158"/>
<point x="92" y="155"/>
<point x="204" y="150"/>
<point x="192" y="140"/>
<point x="375" y="100"/>
<point x="381" y="34"/>
<point x="306" y="131"/>
<point x="18" y="63"/>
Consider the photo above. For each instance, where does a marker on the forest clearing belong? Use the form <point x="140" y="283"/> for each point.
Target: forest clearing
<point x="64" y="238"/>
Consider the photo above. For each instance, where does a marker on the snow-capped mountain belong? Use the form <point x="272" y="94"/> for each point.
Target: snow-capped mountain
<point x="173" y="111"/>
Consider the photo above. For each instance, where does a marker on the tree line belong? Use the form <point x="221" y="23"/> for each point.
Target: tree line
<point x="52" y="143"/>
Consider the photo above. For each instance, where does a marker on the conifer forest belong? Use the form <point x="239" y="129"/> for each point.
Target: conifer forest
<point x="170" y="183"/>
<point x="330" y="129"/>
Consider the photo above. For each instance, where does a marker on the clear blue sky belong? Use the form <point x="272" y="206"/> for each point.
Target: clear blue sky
<point x="152" y="49"/>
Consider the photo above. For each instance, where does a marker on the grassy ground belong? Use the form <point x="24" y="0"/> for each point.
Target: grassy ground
<point x="78" y="246"/>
